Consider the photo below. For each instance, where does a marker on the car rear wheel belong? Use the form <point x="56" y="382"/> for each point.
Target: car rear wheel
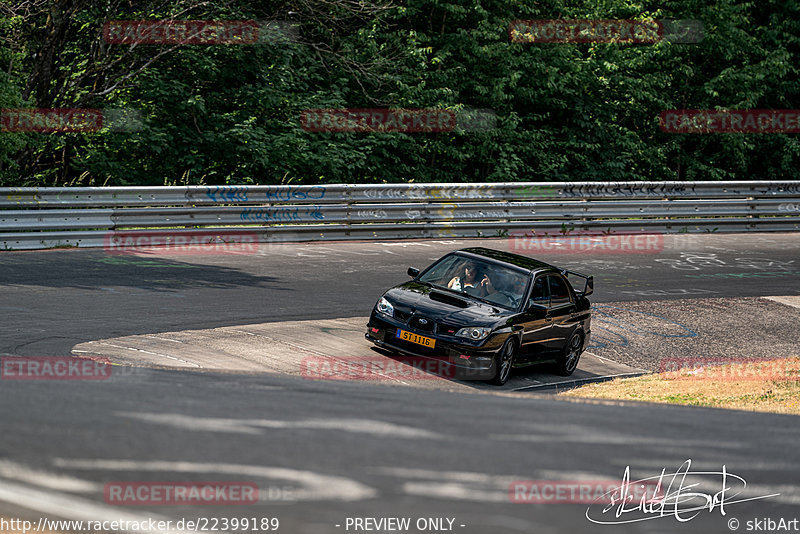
<point x="568" y="360"/>
<point x="503" y="363"/>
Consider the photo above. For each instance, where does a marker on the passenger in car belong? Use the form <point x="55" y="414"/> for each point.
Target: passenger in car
<point x="468" y="281"/>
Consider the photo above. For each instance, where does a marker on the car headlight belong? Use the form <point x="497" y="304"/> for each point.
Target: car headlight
<point x="475" y="333"/>
<point x="385" y="307"/>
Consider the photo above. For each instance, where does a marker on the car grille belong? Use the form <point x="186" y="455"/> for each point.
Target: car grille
<point x="446" y="329"/>
<point x="421" y="324"/>
<point x="401" y="315"/>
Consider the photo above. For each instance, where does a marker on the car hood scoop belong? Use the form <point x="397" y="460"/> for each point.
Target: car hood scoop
<point x="414" y="298"/>
<point x="448" y="299"/>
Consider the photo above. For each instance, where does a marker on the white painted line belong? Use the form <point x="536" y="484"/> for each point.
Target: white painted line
<point x="69" y="507"/>
<point x="149" y="352"/>
<point x="593" y="355"/>
<point x="254" y="426"/>
<point x="163" y="338"/>
<point x="316" y="486"/>
<point x="793" y="301"/>
<point x="587" y="380"/>
<point x="43" y="479"/>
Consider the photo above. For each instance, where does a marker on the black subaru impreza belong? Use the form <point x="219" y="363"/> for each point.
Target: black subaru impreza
<point x="485" y="311"/>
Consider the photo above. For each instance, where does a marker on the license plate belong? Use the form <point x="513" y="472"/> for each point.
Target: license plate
<point x="414" y="338"/>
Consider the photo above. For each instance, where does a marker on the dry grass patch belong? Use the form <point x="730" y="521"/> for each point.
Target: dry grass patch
<point x="760" y="386"/>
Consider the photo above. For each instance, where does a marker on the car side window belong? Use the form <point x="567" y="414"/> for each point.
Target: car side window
<point x="539" y="292"/>
<point x="559" y="292"/>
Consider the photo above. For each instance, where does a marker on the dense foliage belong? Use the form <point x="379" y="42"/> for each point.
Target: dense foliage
<point x="215" y="114"/>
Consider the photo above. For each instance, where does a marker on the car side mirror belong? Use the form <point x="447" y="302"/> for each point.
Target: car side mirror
<point x="413" y="272"/>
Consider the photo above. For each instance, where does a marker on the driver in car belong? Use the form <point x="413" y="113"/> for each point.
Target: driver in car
<point x="497" y="289"/>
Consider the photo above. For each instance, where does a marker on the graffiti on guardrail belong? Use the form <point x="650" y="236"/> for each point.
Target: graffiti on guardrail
<point x="283" y="214"/>
<point x="227" y="193"/>
<point x="21" y="199"/>
<point x="455" y="212"/>
<point x="772" y="188"/>
<point x="447" y="204"/>
<point x="371" y="214"/>
<point x="626" y="190"/>
<point x="534" y="191"/>
<point x="296" y="192"/>
<point x="448" y="193"/>
<point x="398" y="193"/>
<point x="426" y="192"/>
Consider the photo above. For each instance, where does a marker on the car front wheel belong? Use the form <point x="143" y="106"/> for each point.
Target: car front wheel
<point x="503" y="363"/>
<point x="568" y="360"/>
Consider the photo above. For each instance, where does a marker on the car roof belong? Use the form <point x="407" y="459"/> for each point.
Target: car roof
<point x="510" y="258"/>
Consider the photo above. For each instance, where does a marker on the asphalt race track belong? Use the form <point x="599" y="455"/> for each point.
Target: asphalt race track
<point x="323" y="451"/>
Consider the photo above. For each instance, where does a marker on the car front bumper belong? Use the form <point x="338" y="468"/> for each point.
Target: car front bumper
<point x="463" y="361"/>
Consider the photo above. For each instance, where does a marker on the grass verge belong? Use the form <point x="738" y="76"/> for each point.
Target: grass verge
<point x="753" y="385"/>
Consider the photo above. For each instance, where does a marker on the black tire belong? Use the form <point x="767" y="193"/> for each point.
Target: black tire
<point x="503" y="362"/>
<point x="568" y="360"/>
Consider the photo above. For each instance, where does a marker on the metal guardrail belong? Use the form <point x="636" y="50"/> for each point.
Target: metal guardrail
<point x="32" y="218"/>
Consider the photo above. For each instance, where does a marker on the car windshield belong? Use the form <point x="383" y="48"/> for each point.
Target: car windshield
<point x="484" y="280"/>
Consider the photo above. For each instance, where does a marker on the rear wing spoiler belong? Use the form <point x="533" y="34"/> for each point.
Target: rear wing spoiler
<point x="588" y="287"/>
